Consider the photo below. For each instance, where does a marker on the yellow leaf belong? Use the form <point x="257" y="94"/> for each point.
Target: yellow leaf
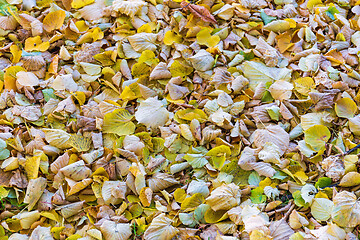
<point x="106" y="58"/>
<point x="304" y="85"/>
<point x="204" y="38"/>
<point x="10" y="77"/>
<point x="16" y="53"/>
<point x="259" y="235"/>
<point x="284" y="42"/>
<point x="139" y="69"/>
<point x="97" y="34"/>
<point x="56" y="231"/>
<point x="350" y="179"/>
<point x="80" y="96"/>
<point x="316" y="136"/>
<point x="350" y="162"/>
<point x="212" y="216"/>
<point x="36" y="44"/>
<point x="171" y="37"/>
<point x="82" y="26"/>
<point x="149" y="58"/>
<point x="81" y="3"/>
<point x="80" y="143"/>
<point x="265" y="182"/>
<point x="44" y="3"/>
<point x="145" y="28"/>
<point x="119" y="122"/>
<point x="32" y="166"/>
<point x="345" y="108"/>
<point x="146" y="196"/>
<point x="100" y="172"/>
<point x="3" y="192"/>
<point x="53" y="67"/>
<point x="76" y="187"/>
<point x="312" y="3"/>
<point x="301" y="176"/>
<point x="180" y="69"/>
<point x="128" y="94"/>
<point x="292" y="22"/>
<point x="91" y="36"/>
<point x="192" y="202"/>
<point x="189" y="114"/>
<point x="179" y="195"/>
<point x="54" y="20"/>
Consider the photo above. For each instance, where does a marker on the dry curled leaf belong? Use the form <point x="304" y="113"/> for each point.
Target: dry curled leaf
<point x="200" y="12"/>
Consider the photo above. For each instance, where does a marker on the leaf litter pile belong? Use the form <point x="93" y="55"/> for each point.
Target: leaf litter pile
<point x="160" y="120"/>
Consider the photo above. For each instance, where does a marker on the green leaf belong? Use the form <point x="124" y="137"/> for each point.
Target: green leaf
<point x="273" y="111"/>
<point x="48" y="94"/>
<point x="196" y="160"/>
<point x="323" y="182"/>
<point x="254" y="179"/>
<point x="330" y="12"/>
<point x="257" y="195"/>
<point x="199" y="212"/>
<point x="2" y="144"/>
<point x="266" y="18"/>
<point x="218" y="155"/>
<point x="3" y="192"/>
<point x="279" y="175"/>
<point x="2" y="231"/>
<point x="299" y="201"/>
<point x="188" y="219"/>
<point x="240" y="176"/>
<point x="248" y="55"/>
<point x="4" y="154"/>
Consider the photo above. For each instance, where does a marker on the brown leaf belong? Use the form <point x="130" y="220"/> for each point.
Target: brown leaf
<point x="18" y="180"/>
<point x="5" y="178"/>
<point x="199" y="11"/>
<point x="322" y="100"/>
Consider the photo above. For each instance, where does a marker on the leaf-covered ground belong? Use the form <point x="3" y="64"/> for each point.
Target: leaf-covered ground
<point x="162" y="119"/>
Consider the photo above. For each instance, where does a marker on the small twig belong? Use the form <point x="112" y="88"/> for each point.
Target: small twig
<point x="349" y="151"/>
<point x="339" y="149"/>
<point x="289" y="211"/>
<point x="184" y="105"/>
<point x="283" y="209"/>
